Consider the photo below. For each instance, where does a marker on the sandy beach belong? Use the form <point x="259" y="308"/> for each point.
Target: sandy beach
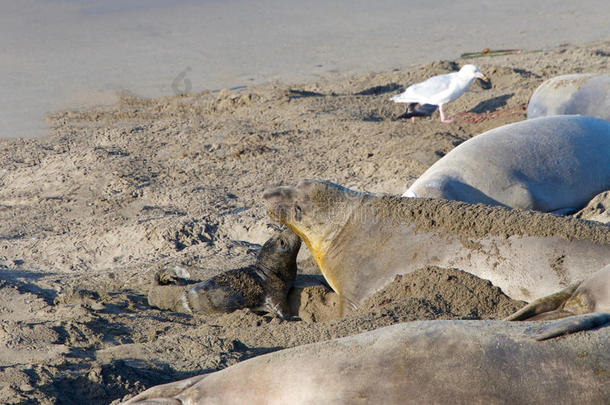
<point x="80" y="53"/>
<point x="91" y="210"/>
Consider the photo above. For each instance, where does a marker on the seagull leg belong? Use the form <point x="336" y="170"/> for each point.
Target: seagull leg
<point x="440" y="108"/>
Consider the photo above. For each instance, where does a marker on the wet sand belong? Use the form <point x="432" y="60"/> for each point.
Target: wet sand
<point x="76" y="53"/>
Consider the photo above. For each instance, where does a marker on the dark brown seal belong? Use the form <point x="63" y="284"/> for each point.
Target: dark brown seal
<point x="262" y="286"/>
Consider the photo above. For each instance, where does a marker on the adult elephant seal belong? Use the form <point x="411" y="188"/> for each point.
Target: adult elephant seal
<point x="550" y="164"/>
<point x="591" y="296"/>
<point x="581" y="94"/>
<point x="426" y="362"/>
<point x="262" y="286"/>
<point x="361" y="241"/>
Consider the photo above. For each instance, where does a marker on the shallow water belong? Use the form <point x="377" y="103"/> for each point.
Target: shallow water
<point x="70" y="53"/>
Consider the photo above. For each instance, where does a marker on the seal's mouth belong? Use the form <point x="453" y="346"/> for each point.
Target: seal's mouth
<point x="276" y="214"/>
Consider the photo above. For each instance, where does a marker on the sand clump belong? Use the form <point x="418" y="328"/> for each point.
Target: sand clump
<point x="91" y="211"/>
<point x="428" y="293"/>
<point x="443" y="294"/>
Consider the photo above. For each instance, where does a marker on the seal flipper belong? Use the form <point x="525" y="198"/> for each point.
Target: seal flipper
<point x="167" y="289"/>
<point x="570" y="325"/>
<point x="545" y="304"/>
<point x="345" y="303"/>
<point x="564" y="211"/>
<point x="278" y="306"/>
<point x="162" y="394"/>
<point x="171" y="275"/>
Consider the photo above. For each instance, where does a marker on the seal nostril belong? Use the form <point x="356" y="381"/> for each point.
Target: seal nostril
<point x="298" y="213"/>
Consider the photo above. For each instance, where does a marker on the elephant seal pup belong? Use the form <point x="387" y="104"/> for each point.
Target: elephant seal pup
<point x="262" y="286"/>
<point x="581" y="94"/>
<point x="425" y="362"/>
<point x="361" y="241"/>
<point x="591" y="296"/>
<point x="549" y="164"/>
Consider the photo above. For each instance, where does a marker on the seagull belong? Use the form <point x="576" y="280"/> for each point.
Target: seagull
<point x="438" y="90"/>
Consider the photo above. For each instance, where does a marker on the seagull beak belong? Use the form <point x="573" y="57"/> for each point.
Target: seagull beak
<point x="481" y="76"/>
<point x="483" y="81"/>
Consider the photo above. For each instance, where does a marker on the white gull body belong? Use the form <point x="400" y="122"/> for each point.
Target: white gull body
<point x="441" y="89"/>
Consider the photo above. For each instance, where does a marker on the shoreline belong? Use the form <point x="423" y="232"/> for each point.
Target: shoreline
<point x="90" y="50"/>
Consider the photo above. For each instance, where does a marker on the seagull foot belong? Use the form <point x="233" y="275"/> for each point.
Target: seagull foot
<point x="447" y="121"/>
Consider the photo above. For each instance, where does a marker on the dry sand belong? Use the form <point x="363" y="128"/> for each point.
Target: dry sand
<point x="89" y="212"/>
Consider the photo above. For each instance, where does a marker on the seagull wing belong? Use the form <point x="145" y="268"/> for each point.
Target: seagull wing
<point x="430" y="91"/>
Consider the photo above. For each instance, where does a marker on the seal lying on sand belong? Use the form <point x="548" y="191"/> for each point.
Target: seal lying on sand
<point x="591" y="296"/>
<point x="426" y="362"/>
<point x="360" y="241"/>
<point x="582" y="94"/>
<point x="262" y="286"/>
<point x="550" y="164"/>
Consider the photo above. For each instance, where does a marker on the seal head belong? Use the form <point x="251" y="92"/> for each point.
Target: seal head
<point x="315" y="210"/>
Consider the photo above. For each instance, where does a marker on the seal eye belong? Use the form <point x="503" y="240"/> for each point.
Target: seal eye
<point x="283" y="244"/>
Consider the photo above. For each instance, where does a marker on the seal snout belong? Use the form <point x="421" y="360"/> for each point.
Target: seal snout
<point x="279" y="202"/>
<point x="292" y="241"/>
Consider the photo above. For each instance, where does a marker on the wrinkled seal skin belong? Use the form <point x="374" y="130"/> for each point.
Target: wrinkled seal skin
<point x="591" y="296"/>
<point x="262" y="286"/>
<point x="361" y="241"/>
<point x="580" y="94"/>
<point x="427" y="362"/>
<point x="549" y="164"/>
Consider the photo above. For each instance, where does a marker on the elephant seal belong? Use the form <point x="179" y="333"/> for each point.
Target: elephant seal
<point x="591" y="296"/>
<point x="581" y="94"/>
<point x="549" y="164"/>
<point x="262" y="286"/>
<point x="425" y="362"/>
<point x="361" y="241"/>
